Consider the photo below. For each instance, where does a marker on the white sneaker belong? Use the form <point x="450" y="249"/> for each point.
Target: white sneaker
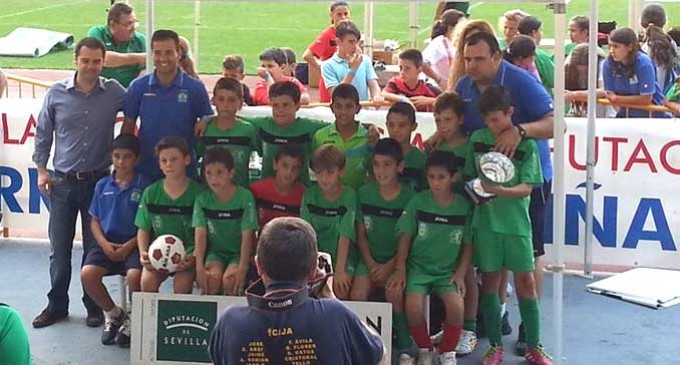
<point x="425" y="357"/>
<point x="467" y="343"/>
<point x="447" y="358"/>
<point x="406" y="359"/>
<point x="437" y="338"/>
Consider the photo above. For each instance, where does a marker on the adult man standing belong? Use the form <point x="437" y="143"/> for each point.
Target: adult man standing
<point x="532" y="116"/>
<point x="125" y="47"/>
<point x="168" y="101"/>
<point x="285" y="320"/>
<point x="78" y="115"/>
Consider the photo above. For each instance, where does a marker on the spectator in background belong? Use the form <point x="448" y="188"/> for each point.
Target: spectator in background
<point x="533" y="27"/>
<point x="233" y="67"/>
<point x="578" y="32"/>
<point x="672" y="101"/>
<point x="325" y="45"/>
<point x="3" y="83"/>
<point x="458" y="64"/>
<point x="674" y="33"/>
<point x="659" y="46"/>
<point x="407" y="87"/>
<point x="439" y="53"/>
<point x="125" y="47"/>
<point x="186" y="62"/>
<point x="629" y="76"/>
<point x="14" y="346"/>
<point x="291" y="62"/>
<point x="508" y="25"/>
<point x="462" y="6"/>
<point x="273" y="68"/>
<point x="576" y="83"/>
<point x="521" y="52"/>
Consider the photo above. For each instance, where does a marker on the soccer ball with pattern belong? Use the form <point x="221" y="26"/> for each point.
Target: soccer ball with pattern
<point x="166" y="252"/>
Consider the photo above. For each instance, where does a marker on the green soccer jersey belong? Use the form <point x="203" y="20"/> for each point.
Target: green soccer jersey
<point x="299" y="133"/>
<point x="437" y="233"/>
<point x="225" y="220"/>
<point x="356" y="148"/>
<point x="241" y="140"/>
<point x="505" y="214"/>
<point x="413" y="174"/>
<point x="459" y="154"/>
<point x="331" y="220"/>
<point x="137" y="44"/>
<point x="673" y="93"/>
<point x="379" y="217"/>
<point x="546" y="69"/>
<point x="159" y="214"/>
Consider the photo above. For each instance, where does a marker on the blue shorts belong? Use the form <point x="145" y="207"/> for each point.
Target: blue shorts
<point x="98" y="258"/>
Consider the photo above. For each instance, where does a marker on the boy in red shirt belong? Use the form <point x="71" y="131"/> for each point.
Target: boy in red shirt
<point x="407" y="86"/>
<point x="272" y="64"/>
<point x="324" y="46"/>
<point x="281" y="195"/>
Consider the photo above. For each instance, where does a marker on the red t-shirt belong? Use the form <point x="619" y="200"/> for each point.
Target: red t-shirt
<point x="324" y="45"/>
<point x="396" y="85"/>
<point x="323" y="48"/>
<point x="261" y="95"/>
<point x="271" y="204"/>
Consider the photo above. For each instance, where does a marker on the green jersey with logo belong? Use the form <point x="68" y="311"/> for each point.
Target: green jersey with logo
<point x="331" y="220"/>
<point x="505" y="214"/>
<point x="437" y="232"/>
<point x="379" y="217"/>
<point x="159" y="214"/>
<point x="241" y="140"/>
<point x="225" y="221"/>
<point x="459" y="154"/>
<point x="413" y="174"/>
<point x="357" y="152"/>
<point x="272" y="137"/>
<point x="137" y="44"/>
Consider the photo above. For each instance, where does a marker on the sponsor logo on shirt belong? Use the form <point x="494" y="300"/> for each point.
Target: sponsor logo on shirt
<point x="183" y="96"/>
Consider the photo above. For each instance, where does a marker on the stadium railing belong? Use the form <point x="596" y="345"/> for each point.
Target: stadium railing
<point x="17" y="84"/>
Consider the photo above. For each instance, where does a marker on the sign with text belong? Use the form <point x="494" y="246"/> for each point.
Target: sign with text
<point x="173" y="329"/>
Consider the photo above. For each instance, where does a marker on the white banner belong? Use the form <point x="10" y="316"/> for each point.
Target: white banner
<point x="173" y="329"/>
<point x="637" y="219"/>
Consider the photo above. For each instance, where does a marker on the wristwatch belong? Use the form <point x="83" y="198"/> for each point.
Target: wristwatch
<point x="522" y="132"/>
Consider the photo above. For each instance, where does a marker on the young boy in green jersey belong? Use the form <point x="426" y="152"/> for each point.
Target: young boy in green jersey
<point x="347" y="134"/>
<point x="380" y="206"/>
<point x="435" y="250"/>
<point x="502" y="228"/>
<point x="225" y="222"/>
<point x="448" y="117"/>
<point x="401" y="122"/>
<point x="284" y="127"/>
<point x="228" y="131"/>
<point x="330" y="208"/>
<point x="166" y="208"/>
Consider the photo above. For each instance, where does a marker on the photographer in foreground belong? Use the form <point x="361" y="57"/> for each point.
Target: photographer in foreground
<point x="282" y="322"/>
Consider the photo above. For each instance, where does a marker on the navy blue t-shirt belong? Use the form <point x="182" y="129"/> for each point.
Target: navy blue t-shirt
<point x="318" y="331"/>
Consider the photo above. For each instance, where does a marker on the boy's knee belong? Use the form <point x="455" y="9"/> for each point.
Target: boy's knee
<point x="89" y="274"/>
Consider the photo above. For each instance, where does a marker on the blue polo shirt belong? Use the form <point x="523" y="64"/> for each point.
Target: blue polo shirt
<point x="116" y="207"/>
<point x="335" y="69"/>
<point x="530" y="101"/>
<point x="164" y="112"/>
<point x="642" y="82"/>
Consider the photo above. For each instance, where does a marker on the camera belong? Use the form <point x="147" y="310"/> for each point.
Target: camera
<point x="324" y="263"/>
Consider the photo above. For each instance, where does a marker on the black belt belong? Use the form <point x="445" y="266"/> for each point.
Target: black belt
<point x="82" y="175"/>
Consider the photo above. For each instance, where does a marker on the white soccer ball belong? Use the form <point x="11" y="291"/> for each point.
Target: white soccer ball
<point x="166" y="252"/>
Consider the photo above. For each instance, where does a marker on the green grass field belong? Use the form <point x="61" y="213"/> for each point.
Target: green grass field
<point x="246" y="28"/>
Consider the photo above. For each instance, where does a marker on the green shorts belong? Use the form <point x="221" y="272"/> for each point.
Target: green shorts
<point x="495" y="251"/>
<point x="353" y="260"/>
<point x="361" y="268"/>
<point x="223" y="258"/>
<point x="424" y="283"/>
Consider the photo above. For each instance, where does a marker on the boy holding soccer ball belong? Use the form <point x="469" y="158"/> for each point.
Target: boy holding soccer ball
<point x="166" y="208"/>
<point x="225" y="222"/>
<point x="113" y="208"/>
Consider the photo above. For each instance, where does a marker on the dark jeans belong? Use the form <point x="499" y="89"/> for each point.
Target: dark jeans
<point x="67" y="199"/>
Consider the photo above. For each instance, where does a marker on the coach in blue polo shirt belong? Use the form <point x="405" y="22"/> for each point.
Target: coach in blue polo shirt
<point x="532" y="116"/>
<point x="169" y="102"/>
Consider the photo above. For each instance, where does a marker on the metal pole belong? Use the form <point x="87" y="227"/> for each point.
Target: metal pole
<point x="560" y="10"/>
<point x="413" y="24"/>
<point x="368" y="29"/>
<point x="149" y="33"/>
<point x="590" y="149"/>
<point x="197" y="27"/>
<point x="634" y="13"/>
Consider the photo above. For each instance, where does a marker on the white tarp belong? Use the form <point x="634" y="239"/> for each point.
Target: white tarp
<point x="652" y="288"/>
<point x="33" y="42"/>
